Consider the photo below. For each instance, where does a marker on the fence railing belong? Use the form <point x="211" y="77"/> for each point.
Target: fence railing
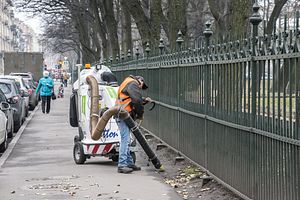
<point x="233" y="108"/>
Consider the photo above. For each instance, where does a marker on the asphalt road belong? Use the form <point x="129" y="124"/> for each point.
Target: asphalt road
<point x="40" y="166"/>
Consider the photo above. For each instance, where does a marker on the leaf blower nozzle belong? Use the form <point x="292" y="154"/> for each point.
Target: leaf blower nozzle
<point x="161" y="169"/>
<point x="132" y="125"/>
<point x="138" y="135"/>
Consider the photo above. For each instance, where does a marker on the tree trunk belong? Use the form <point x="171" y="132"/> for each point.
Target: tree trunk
<point x="274" y="15"/>
<point x="111" y="26"/>
<point x="156" y="16"/>
<point x="127" y="30"/>
<point x="99" y="27"/>
<point x="135" y="8"/>
<point x="177" y="20"/>
<point x="79" y="18"/>
<point x="231" y="18"/>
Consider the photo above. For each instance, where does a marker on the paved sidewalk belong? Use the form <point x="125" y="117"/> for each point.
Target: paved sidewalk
<point x="41" y="166"/>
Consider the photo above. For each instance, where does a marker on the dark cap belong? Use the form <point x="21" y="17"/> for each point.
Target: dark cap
<point x="145" y="86"/>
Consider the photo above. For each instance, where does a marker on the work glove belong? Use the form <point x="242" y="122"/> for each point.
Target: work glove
<point x="147" y="100"/>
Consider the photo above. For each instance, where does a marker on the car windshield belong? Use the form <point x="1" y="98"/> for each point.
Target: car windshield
<point x="18" y="86"/>
<point x="6" y="88"/>
<point x="2" y="97"/>
<point x="29" y="83"/>
<point x="20" y="82"/>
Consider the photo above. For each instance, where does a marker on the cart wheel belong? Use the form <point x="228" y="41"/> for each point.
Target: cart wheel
<point x="4" y="144"/>
<point x="78" y="154"/>
<point x="115" y="158"/>
<point x="133" y="156"/>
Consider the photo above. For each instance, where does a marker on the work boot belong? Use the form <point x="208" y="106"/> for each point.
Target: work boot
<point x="134" y="167"/>
<point x="125" y="170"/>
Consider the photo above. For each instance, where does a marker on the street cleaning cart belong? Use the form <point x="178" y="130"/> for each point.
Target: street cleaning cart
<point x="81" y="115"/>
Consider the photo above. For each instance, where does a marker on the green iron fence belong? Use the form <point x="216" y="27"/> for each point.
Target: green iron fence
<point x="232" y="108"/>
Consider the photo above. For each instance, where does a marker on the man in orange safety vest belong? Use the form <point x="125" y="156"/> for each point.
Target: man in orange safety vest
<point x="130" y="97"/>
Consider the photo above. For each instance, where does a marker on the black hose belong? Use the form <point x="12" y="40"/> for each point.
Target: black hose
<point x="153" y="105"/>
<point x="138" y="135"/>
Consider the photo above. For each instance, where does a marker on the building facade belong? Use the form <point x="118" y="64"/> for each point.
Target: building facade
<point x="15" y="35"/>
<point x="6" y="34"/>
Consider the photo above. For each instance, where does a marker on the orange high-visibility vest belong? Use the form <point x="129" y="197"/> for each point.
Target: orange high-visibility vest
<point x="124" y="99"/>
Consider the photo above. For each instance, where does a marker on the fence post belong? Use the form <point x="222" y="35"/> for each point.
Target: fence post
<point x="179" y="42"/>
<point x="122" y="57"/>
<point x="161" y="46"/>
<point x="111" y="61"/>
<point x="128" y="54"/>
<point x="297" y="33"/>
<point x="255" y="19"/>
<point x="147" y="50"/>
<point x="207" y="33"/>
<point x="137" y="53"/>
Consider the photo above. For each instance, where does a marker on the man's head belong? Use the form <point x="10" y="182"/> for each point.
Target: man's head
<point x="141" y="80"/>
<point x="45" y="73"/>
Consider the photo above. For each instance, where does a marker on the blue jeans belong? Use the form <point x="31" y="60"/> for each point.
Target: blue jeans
<point x="125" y="158"/>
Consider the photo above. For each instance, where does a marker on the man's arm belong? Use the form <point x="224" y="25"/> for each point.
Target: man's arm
<point x="146" y="100"/>
<point x="133" y="91"/>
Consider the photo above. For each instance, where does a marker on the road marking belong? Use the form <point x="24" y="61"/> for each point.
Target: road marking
<point x="13" y="143"/>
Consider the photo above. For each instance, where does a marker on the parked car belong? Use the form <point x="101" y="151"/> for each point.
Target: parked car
<point x="13" y="95"/>
<point x="23" y="89"/>
<point x="9" y="113"/>
<point x="33" y="98"/>
<point x="3" y="130"/>
<point x="24" y="75"/>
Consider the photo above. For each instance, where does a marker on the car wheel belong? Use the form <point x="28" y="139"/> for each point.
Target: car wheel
<point x="4" y="144"/>
<point x="78" y="154"/>
<point x="27" y="112"/>
<point x="10" y="133"/>
<point x="31" y="107"/>
<point x="18" y="125"/>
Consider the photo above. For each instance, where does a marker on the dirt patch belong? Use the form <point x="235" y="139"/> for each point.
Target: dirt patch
<point x="187" y="179"/>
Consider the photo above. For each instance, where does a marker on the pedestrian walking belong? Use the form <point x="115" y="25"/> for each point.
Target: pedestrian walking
<point x="45" y="87"/>
<point x="66" y="77"/>
<point x="60" y="93"/>
<point x="130" y="97"/>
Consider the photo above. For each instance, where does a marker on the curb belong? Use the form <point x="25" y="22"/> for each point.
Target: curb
<point x="16" y="138"/>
